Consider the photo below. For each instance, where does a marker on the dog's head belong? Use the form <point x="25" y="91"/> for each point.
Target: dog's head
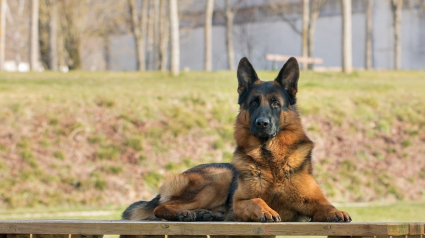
<point x="267" y="106"/>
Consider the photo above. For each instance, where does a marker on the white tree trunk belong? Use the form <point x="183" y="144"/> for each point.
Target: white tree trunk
<point x="229" y="15"/>
<point x="164" y="34"/>
<point x="34" y="52"/>
<point x="369" y="35"/>
<point x="150" y="41"/>
<point x="304" y="49"/>
<point x="175" y="41"/>
<point x="156" y="41"/>
<point x="143" y="26"/>
<point x="2" y="33"/>
<point x="314" y="15"/>
<point x="138" y="29"/>
<point x="208" y="35"/>
<point x="397" y="6"/>
<point x="53" y="37"/>
<point x="347" y="50"/>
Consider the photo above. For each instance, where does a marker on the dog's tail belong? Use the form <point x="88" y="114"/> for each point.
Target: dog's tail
<point x="141" y="210"/>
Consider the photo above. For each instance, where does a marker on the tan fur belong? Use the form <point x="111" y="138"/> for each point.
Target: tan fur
<point x="189" y="194"/>
<point x="142" y="214"/>
<point x="174" y="185"/>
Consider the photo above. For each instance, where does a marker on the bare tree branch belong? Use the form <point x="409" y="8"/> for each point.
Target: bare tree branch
<point x="236" y="6"/>
<point x="282" y="9"/>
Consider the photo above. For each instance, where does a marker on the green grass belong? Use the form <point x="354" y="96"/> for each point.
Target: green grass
<point x="86" y="139"/>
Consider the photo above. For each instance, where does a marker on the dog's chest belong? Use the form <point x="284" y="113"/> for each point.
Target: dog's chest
<point x="267" y="178"/>
<point x="276" y="163"/>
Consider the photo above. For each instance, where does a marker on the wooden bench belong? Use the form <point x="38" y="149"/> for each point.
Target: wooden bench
<point x="283" y="58"/>
<point x="134" y="229"/>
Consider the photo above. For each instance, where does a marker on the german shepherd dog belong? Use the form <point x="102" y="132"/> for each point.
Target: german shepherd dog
<point x="270" y="177"/>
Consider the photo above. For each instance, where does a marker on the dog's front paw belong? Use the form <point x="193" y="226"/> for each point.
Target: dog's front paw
<point x="332" y="215"/>
<point x="338" y="216"/>
<point x="269" y="216"/>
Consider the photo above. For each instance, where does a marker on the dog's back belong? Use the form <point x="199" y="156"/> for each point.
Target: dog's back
<point x="202" y="193"/>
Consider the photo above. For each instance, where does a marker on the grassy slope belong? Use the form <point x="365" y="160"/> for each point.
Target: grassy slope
<point x="93" y="139"/>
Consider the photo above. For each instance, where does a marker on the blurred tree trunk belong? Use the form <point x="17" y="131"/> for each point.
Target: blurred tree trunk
<point x="164" y="34"/>
<point x="229" y="15"/>
<point x="43" y="33"/>
<point x="107" y="52"/>
<point x="369" y="35"/>
<point x="315" y="6"/>
<point x="304" y="49"/>
<point x="143" y="32"/>
<point x="34" y="52"/>
<point x="53" y="36"/>
<point x="175" y="41"/>
<point x="15" y="19"/>
<point x="347" y="51"/>
<point x="2" y="33"/>
<point x="138" y="24"/>
<point x="208" y="35"/>
<point x="396" y="7"/>
<point x="73" y="22"/>
<point x="150" y="37"/>
<point x="156" y="42"/>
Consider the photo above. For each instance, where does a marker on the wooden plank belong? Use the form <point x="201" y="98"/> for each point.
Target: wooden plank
<point x="241" y="236"/>
<point x="416" y="228"/>
<point x="362" y="236"/>
<point x="205" y="236"/>
<point x="81" y="236"/>
<point x="405" y="236"/>
<point x="145" y="236"/>
<point x="200" y="228"/>
<point x="396" y="230"/>
<point x="50" y="236"/>
<point x="18" y="236"/>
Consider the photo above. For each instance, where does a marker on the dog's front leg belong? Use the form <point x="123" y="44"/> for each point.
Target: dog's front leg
<point x="254" y="209"/>
<point x="315" y="204"/>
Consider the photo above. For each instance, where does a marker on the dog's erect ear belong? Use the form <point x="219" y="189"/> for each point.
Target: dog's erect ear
<point x="246" y="75"/>
<point x="288" y="78"/>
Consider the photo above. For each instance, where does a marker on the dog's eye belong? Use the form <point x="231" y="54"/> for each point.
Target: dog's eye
<point x="275" y="104"/>
<point x="254" y="103"/>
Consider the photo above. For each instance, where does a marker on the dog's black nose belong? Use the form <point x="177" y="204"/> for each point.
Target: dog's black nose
<point x="262" y="122"/>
